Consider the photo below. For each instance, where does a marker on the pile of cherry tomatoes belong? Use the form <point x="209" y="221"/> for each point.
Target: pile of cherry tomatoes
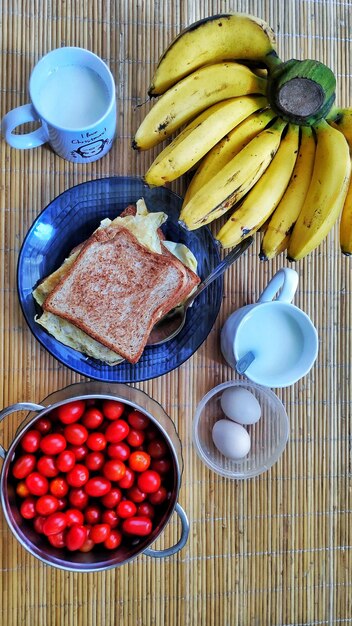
<point x="94" y="472"/>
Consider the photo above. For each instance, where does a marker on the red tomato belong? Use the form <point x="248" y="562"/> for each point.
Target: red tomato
<point x="162" y="466"/>
<point x="78" y="475"/>
<point x="80" y="452"/>
<point x="159" y="496"/>
<point x="65" y="461"/>
<point x="146" y="510"/>
<point x="76" y="434"/>
<point x="113" y="540"/>
<point x="96" y="441"/>
<point x="92" y="514"/>
<point x="139" y="526"/>
<point x="74" y="516"/>
<point x="30" y="440"/>
<point x="76" y="536"/>
<point x="46" y="505"/>
<point x="139" y="461"/>
<point x="78" y="498"/>
<point x="94" y="461"/>
<point x="109" y="516"/>
<point x="62" y="504"/>
<point x="22" y="489"/>
<point x="113" y="409"/>
<point x="136" y="495"/>
<point x="100" y="532"/>
<point x="157" y="449"/>
<point x="47" y="466"/>
<point x="117" y="431"/>
<point x="119" y="451"/>
<point x="54" y="443"/>
<point x="23" y="466"/>
<point x="93" y="418"/>
<point x="149" y="481"/>
<point x="37" y="484"/>
<point x="59" y="487"/>
<point x="57" y="540"/>
<point x="111" y="499"/>
<point x="71" y="412"/>
<point x="126" y="508"/>
<point x="127" y="481"/>
<point x="55" y="523"/>
<point x="114" y="470"/>
<point x="38" y="524"/>
<point x="87" y="546"/>
<point x="152" y="433"/>
<point x="135" y="438"/>
<point x="43" y="425"/>
<point x="97" y="486"/>
<point x="27" y="508"/>
<point x="138" y="420"/>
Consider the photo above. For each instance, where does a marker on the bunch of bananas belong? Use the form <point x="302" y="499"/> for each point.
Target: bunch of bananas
<point x="263" y="136"/>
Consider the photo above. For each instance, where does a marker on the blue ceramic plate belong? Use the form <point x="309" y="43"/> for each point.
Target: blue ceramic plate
<point x="69" y="220"/>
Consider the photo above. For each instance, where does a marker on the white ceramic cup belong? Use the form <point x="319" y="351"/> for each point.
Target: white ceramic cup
<point x="281" y="336"/>
<point x="72" y="93"/>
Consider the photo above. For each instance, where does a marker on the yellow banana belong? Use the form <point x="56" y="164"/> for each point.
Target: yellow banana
<point x="215" y="38"/>
<point x="264" y="197"/>
<point x="326" y="194"/>
<point x="199" y="137"/>
<point x="346" y="224"/>
<point x="342" y="120"/>
<point x="277" y="233"/>
<point x="234" y="180"/>
<point x="194" y="94"/>
<point x="226" y="149"/>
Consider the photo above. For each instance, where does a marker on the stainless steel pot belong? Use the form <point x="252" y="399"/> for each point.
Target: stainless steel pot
<point x="96" y="560"/>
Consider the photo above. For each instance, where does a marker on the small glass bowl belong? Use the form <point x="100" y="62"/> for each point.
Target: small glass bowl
<point x="268" y="436"/>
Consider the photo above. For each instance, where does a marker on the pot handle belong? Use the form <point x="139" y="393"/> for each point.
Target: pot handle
<point x="160" y="554"/>
<point x="20" y="406"/>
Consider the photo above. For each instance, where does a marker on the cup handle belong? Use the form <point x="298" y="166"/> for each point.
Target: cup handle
<point x="285" y="279"/>
<point x="159" y="554"/>
<point x="21" y="406"/>
<point x="22" y="115"/>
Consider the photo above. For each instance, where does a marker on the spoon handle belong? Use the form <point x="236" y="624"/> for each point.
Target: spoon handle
<point x="220" y="268"/>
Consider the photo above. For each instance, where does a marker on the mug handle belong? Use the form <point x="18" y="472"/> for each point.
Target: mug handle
<point x="22" y="115"/>
<point x="159" y="554"/>
<point x="21" y="406"/>
<point x="285" y="279"/>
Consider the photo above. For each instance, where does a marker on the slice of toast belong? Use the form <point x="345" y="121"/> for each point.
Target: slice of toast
<point x="116" y="290"/>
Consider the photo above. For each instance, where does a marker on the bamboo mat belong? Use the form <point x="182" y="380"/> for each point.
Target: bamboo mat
<point x="276" y="550"/>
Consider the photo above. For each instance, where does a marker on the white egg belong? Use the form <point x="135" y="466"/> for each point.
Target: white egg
<point x="231" y="439"/>
<point x="240" y="405"/>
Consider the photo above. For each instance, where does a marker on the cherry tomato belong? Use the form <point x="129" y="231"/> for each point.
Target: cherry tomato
<point x="23" y="466"/>
<point x="38" y="524"/>
<point x="27" y="508"/>
<point x="97" y="486"/>
<point x="76" y="536"/>
<point x="65" y="461"/>
<point x="59" y="487"/>
<point x="54" y="443"/>
<point x="74" y="516"/>
<point x="71" y="412"/>
<point x="94" y="461"/>
<point x="126" y="508"/>
<point x="111" y="499"/>
<point x="109" y="516"/>
<point x="162" y="466"/>
<point x="37" y="484"/>
<point x="22" y="489"/>
<point x="127" y="481"/>
<point x="135" y="438"/>
<point x="92" y="514"/>
<point x="119" y="451"/>
<point x="87" y="546"/>
<point x="30" y="440"/>
<point x="136" y="495"/>
<point x="55" y="523"/>
<point x="149" y="481"/>
<point x="114" y="470"/>
<point x="159" y="496"/>
<point x="96" y="441"/>
<point x="137" y="420"/>
<point x="113" y="540"/>
<point x="43" y="425"/>
<point x="139" y="526"/>
<point x="100" y="532"/>
<point x="62" y="504"/>
<point x="76" y="434"/>
<point x="112" y="409"/>
<point x="146" y="510"/>
<point x="139" y="461"/>
<point x="93" y="418"/>
<point x="80" y="452"/>
<point x="77" y="476"/>
<point x="157" y="449"/>
<point x="47" y="466"/>
<point x="117" y="431"/>
<point x="46" y="505"/>
<point x="57" y="540"/>
<point x="152" y="433"/>
<point x="78" y="498"/>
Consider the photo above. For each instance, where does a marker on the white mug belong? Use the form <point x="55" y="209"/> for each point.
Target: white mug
<point x="282" y="338"/>
<point x="72" y="93"/>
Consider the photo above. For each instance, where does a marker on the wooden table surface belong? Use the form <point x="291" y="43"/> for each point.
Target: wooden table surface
<point x="275" y="550"/>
